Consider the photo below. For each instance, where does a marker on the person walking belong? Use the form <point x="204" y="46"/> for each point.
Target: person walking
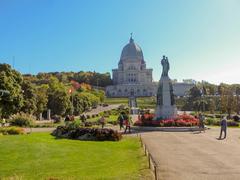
<point x="223" y="124"/>
<point x="201" y="122"/>
<point x="121" y="118"/>
<point x="127" y="125"/>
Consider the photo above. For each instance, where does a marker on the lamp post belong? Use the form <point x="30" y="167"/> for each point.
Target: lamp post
<point x="202" y="96"/>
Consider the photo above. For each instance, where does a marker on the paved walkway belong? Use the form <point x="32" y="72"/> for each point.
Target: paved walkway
<point x="195" y="156"/>
<point x="39" y="129"/>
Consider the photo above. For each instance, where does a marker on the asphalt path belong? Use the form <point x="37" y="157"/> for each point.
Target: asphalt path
<point x="195" y="156"/>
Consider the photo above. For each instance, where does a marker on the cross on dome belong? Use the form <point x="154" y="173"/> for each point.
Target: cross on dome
<point x="131" y="39"/>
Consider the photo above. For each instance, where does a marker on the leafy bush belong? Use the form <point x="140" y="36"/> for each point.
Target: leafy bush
<point x="232" y="124"/>
<point x="90" y="134"/>
<point x="11" y="130"/>
<point x="44" y="125"/>
<point x="73" y="124"/>
<point x="210" y="115"/>
<point x="22" y="120"/>
<point x="236" y="118"/>
<point x="210" y="121"/>
<point x="113" y="122"/>
<point x="92" y="123"/>
<point x="180" y="121"/>
<point x="57" y="118"/>
<point x="218" y="115"/>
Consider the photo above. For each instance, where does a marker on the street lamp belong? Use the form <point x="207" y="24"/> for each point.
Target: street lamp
<point x="202" y="96"/>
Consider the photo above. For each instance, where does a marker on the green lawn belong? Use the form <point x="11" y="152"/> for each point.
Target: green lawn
<point x="111" y="118"/>
<point x="146" y="102"/>
<point x="41" y="156"/>
<point x="116" y="101"/>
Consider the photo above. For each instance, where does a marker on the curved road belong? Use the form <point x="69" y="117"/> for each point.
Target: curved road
<point x="195" y="156"/>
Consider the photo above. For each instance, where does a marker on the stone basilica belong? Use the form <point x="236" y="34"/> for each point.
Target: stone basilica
<point x="133" y="78"/>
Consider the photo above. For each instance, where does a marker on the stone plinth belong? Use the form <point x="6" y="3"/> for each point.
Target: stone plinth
<point x="166" y="107"/>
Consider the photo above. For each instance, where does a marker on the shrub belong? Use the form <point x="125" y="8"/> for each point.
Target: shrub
<point x="11" y="130"/>
<point x="236" y="118"/>
<point x="22" y="120"/>
<point x="56" y="118"/>
<point x="73" y="124"/>
<point x="218" y="115"/>
<point x="44" y="125"/>
<point x="93" y="123"/>
<point x="93" y="134"/>
<point x="232" y="124"/>
<point x="210" y="121"/>
<point x="210" y="115"/>
<point x="115" y="112"/>
<point x="113" y="122"/>
<point x="88" y="116"/>
<point x="180" y="121"/>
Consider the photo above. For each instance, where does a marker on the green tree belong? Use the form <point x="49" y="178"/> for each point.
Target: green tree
<point x="79" y="103"/>
<point x="59" y="102"/>
<point x="211" y="105"/>
<point x="10" y="80"/>
<point x="41" y="98"/>
<point x="29" y="96"/>
<point x="58" y="98"/>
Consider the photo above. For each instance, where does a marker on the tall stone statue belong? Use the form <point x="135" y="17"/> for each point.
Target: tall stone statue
<point x="165" y="65"/>
<point x="166" y="107"/>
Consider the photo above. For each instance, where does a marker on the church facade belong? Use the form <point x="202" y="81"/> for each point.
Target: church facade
<point x="133" y="78"/>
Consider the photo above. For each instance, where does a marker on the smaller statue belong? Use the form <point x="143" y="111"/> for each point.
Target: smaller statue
<point x="165" y="65"/>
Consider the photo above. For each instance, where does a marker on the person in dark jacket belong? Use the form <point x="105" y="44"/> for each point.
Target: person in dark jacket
<point x="201" y="122"/>
<point x="223" y="124"/>
<point x="121" y="119"/>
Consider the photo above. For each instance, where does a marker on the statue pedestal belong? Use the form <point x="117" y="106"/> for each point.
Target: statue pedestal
<point x="166" y="112"/>
<point x="166" y="107"/>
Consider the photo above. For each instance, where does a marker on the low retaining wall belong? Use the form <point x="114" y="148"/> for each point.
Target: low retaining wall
<point x="166" y="129"/>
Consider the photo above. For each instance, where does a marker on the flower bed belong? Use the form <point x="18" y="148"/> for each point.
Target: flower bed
<point x="90" y="134"/>
<point x="180" y="121"/>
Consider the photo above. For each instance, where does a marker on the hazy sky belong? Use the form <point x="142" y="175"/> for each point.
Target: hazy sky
<point x="200" y="37"/>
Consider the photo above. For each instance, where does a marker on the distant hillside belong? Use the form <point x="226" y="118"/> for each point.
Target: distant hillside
<point x="92" y="78"/>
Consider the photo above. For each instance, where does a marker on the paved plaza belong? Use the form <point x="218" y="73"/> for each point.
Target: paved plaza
<point x="195" y="156"/>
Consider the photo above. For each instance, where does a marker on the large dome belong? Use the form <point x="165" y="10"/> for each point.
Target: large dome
<point x="132" y="51"/>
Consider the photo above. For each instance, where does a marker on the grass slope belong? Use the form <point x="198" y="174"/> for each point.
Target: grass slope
<point x="145" y="102"/>
<point x="40" y="156"/>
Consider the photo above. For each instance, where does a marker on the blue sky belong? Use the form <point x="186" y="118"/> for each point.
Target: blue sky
<point x="200" y="37"/>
